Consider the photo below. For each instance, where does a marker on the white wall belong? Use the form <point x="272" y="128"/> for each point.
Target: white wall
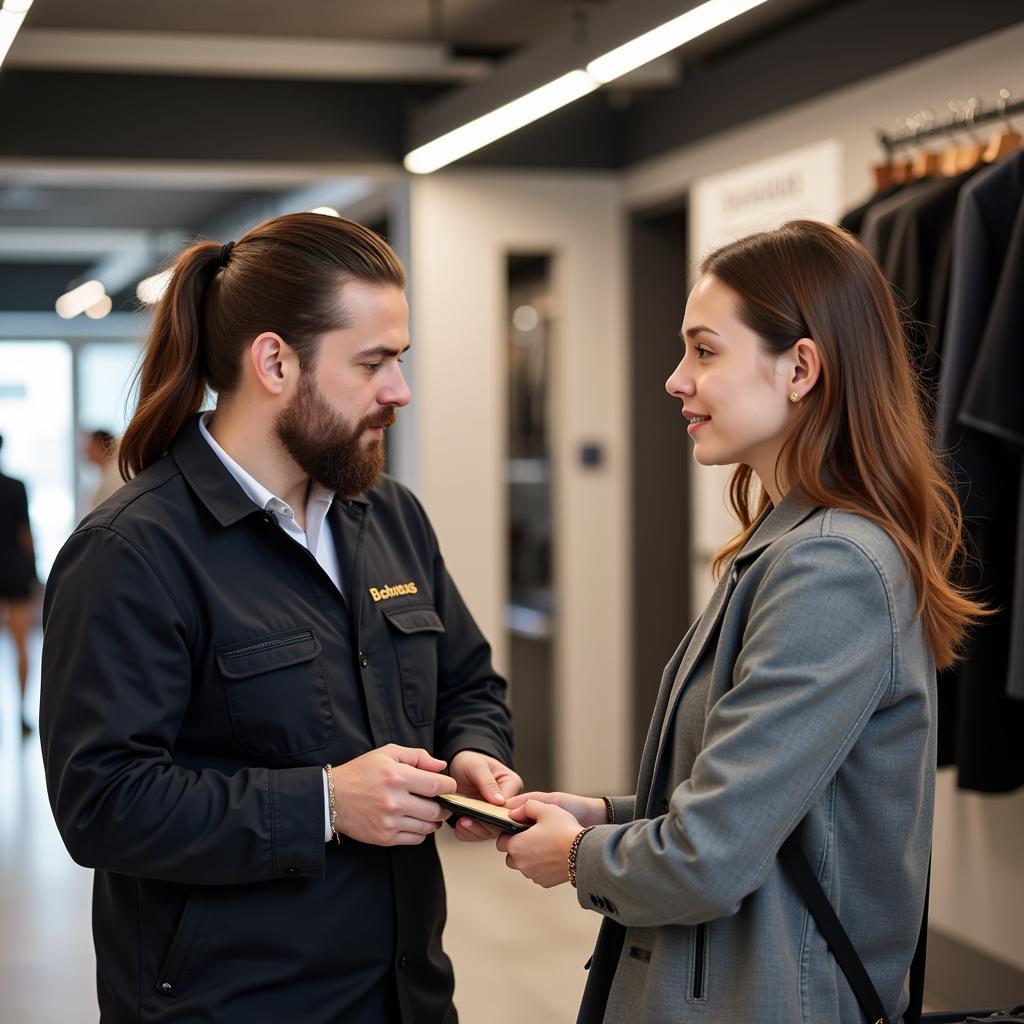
<point x="463" y="225"/>
<point x="978" y="881"/>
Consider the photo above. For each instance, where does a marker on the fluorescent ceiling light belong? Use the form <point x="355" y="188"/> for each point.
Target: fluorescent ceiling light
<point x="12" y="14"/>
<point x="150" y="290"/>
<point x="79" y="299"/>
<point x="100" y="309"/>
<point x="661" y="40"/>
<point x="491" y="127"/>
<point x="326" y="211"/>
<point x="572" y="86"/>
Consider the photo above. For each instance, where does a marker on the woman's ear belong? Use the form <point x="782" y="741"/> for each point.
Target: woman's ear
<point x="806" y="366"/>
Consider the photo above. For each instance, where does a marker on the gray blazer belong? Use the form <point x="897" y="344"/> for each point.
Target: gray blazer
<point x="803" y="698"/>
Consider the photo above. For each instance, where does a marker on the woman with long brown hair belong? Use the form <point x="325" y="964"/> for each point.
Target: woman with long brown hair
<point x="802" y="702"/>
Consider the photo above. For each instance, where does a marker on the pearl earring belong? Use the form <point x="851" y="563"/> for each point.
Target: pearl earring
<point x="794" y="396"/>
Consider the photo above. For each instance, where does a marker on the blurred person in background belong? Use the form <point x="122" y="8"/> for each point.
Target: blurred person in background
<point x="257" y="671"/>
<point x="101" y="450"/>
<point x="17" y="575"/>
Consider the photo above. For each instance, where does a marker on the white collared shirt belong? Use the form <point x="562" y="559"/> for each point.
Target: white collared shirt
<point x="316" y="538"/>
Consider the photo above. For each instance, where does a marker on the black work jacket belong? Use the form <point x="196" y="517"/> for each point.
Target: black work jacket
<point x="199" y="669"/>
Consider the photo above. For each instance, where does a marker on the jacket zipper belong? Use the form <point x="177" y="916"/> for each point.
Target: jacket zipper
<point x="699" y="940"/>
<point x="281" y="641"/>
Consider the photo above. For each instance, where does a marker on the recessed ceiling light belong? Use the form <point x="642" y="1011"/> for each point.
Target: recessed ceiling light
<point x="79" y="299"/>
<point x="150" y="290"/>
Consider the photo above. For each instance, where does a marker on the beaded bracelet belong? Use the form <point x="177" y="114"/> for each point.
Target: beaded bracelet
<point x="573" y="850"/>
<point x="331" y="805"/>
<point x="609" y="809"/>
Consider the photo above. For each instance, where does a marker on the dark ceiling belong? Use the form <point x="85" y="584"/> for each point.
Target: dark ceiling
<point x="163" y="118"/>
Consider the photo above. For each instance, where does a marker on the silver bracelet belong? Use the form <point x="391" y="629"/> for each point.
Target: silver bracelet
<point x="331" y="804"/>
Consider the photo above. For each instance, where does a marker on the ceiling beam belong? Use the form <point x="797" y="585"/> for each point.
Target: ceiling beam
<point x="851" y="41"/>
<point x="239" y="56"/>
<point x="59" y="245"/>
<point x="47" y="326"/>
<point x="81" y="116"/>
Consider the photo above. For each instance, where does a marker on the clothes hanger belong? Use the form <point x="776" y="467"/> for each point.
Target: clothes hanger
<point x="952" y="156"/>
<point x="927" y="164"/>
<point x="883" y="172"/>
<point x="883" y="176"/>
<point x="970" y="154"/>
<point x="1004" y="140"/>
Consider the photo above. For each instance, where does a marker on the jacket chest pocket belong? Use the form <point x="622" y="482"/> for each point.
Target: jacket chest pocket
<point x="276" y="693"/>
<point x="414" y="635"/>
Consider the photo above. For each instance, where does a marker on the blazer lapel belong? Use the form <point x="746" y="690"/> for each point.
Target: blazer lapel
<point x="647" y="759"/>
<point x="773" y="525"/>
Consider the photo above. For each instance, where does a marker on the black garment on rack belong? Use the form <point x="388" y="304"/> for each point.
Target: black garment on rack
<point x="980" y="724"/>
<point x="984" y="220"/>
<point x="918" y="263"/>
<point x="957" y="273"/>
<point x="853" y="220"/>
<point x="880" y="220"/>
<point x="994" y="404"/>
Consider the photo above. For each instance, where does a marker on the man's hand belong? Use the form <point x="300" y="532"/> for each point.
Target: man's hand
<point x="486" y="778"/>
<point x="385" y="797"/>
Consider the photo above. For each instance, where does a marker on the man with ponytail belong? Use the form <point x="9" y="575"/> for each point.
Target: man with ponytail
<point x="257" y="672"/>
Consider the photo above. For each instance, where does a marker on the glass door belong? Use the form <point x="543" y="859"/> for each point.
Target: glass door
<point x="531" y="611"/>
<point x="36" y="420"/>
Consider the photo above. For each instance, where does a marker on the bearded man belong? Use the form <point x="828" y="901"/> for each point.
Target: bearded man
<point x="257" y="672"/>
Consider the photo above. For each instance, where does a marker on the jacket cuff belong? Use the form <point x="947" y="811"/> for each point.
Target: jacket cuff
<point x="297" y="847"/>
<point x="588" y="870"/>
<point x="624" y="808"/>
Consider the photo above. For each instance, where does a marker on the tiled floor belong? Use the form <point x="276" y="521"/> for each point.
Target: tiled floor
<point x="504" y="934"/>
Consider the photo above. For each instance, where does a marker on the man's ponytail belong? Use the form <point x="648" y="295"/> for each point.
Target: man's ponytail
<point x="172" y="378"/>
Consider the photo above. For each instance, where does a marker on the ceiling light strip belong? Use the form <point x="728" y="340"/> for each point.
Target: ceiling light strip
<point x="12" y="14"/>
<point x="667" y="37"/>
<point x="502" y="121"/>
<point x="572" y="86"/>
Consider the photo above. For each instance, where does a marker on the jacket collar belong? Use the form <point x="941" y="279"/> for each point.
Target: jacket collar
<point x="210" y="480"/>
<point x="775" y="523"/>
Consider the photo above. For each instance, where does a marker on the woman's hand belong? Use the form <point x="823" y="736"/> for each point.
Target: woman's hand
<point x="541" y="853"/>
<point x="587" y="810"/>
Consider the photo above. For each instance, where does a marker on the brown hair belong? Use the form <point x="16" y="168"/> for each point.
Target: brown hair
<point x="284" y="276"/>
<point x="860" y="441"/>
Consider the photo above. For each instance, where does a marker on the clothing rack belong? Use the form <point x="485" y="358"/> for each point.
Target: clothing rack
<point x="969" y="116"/>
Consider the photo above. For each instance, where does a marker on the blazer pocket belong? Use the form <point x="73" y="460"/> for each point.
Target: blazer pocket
<point x="276" y="693"/>
<point x="699" y="962"/>
<point x="414" y="635"/>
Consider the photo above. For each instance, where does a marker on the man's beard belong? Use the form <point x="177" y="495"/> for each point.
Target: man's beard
<point x="325" y="447"/>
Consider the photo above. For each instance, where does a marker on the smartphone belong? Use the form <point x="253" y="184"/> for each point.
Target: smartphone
<point x="480" y="810"/>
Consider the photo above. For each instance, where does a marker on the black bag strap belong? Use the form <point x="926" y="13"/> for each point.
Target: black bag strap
<point x="915" y="1007"/>
<point x="835" y="935"/>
